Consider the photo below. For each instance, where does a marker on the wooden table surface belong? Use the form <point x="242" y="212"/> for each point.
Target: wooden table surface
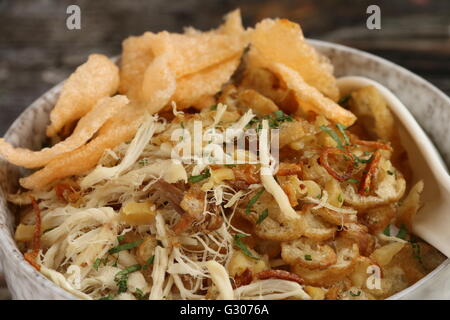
<point x="37" y="50"/>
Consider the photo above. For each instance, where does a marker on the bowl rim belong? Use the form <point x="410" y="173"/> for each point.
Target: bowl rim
<point x="16" y="256"/>
<point x="429" y="86"/>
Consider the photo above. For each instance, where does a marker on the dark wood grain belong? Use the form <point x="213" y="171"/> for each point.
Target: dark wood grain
<point x="37" y="51"/>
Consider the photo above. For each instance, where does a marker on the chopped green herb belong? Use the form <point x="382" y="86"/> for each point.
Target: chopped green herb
<point x="149" y="262"/>
<point x="139" y="294"/>
<point x="213" y="107"/>
<point x="230" y="165"/>
<point x="342" y="129"/>
<point x="352" y="180"/>
<point x="416" y="251"/>
<point x="108" y="297"/>
<point x="121" y="278"/>
<point x="333" y="135"/>
<point x="308" y="257"/>
<point x="345" y="99"/>
<point x="281" y="116"/>
<point x="125" y="246"/>
<point x="242" y="246"/>
<point x="402" y="232"/>
<point x="277" y="118"/>
<point x="358" y="159"/>
<point x="340" y="198"/>
<point x="97" y="264"/>
<point x="355" y="294"/>
<point x="143" y="162"/>
<point x="120" y="238"/>
<point x="115" y="263"/>
<point x="252" y="122"/>
<point x="253" y="200"/>
<point x="387" y="230"/>
<point x="274" y="119"/>
<point x="263" y="216"/>
<point x="122" y="283"/>
<point x="205" y="175"/>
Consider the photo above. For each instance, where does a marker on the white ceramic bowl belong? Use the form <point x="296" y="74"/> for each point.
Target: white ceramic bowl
<point x="429" y="106"/>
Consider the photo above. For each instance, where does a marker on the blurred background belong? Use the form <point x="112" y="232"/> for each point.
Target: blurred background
<point x="37" y="50"/>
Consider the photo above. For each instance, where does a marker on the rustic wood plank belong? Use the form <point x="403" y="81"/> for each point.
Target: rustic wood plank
<point x="37" y="51"/>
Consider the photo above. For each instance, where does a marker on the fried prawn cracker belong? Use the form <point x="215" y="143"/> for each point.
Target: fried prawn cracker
<point x="282" y="41"/>
<point x="137" y="54"/>
<point x="232" y="24"/>
<point x="256" y="101"/>
<point x="87" y="126"/>
<point x="158" y="83"/>
<point x="309" y="98"/>
<point x="149" y="81"/>
<point x="193" y="89"/>
<point x="119" y="129"/>
<point x="95" y="79"/>
<point x="153" y="60"/>
<point x="198" y="52"/>
<point x="373" y="113"/>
